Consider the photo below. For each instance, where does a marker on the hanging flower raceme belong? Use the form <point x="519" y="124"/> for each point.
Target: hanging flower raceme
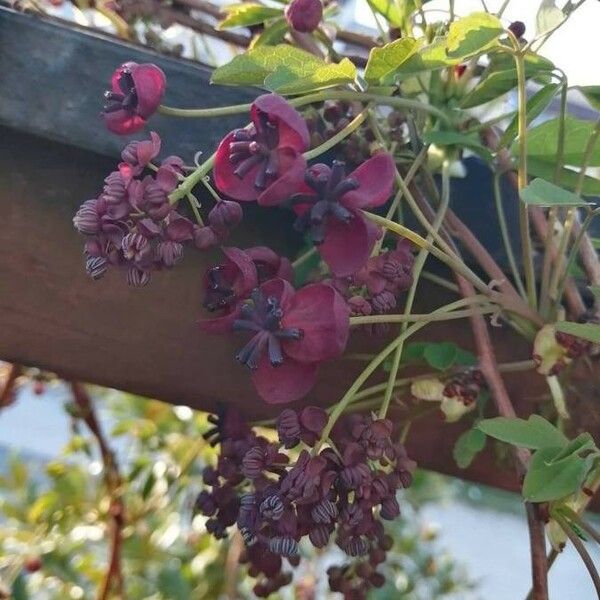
<point x="136" y="92"/>
<point x="261" y="161"/>
<point x="291" y="331"/>
<point x="329" y="203"/>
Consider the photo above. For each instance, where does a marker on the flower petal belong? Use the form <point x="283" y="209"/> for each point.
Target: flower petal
<point x="248" y="277"/>
<point x="291" y="169"/>
<point x="323" y="316"/>
<point x="223" y="324"/>
<point x="150" y="83"/>
<point x="347" y="246"/>
<point x="281" y="289"/>
<point x="122" y="122"/>
<point x="288" y="382"/>
<point x="376" y="182"/>
<point x="240" y="188"/>
<point x="269" y="264"/>
<point x="293" y="132"/>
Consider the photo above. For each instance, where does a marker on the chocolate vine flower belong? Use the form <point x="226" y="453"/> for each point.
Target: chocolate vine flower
<point x="138" y="154"/>
<point x="260" y="161"/>
<point x="135" y="94"/>
<point x="304" y="15"/>
<point x="291" y="333"/>
<point x="329" y="205"/>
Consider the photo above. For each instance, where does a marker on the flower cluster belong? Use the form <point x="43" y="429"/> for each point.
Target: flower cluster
<point x="289" y="331"/>
<point x="132" y="224"/>
<point x="340" y="493"/>
<point x="554" y="350"/>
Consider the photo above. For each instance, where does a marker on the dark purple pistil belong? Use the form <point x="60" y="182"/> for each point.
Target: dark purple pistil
<point x="219" y="293"/>
<point x="326" y="202"/>
<point x="263" y="317"/>
<point x="256" y="146"/>
<point x="127" y="99"/>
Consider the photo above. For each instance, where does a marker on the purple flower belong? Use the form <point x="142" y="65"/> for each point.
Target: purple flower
<point x="258" y="162"/>
<point x="137" y="155"/>
<point x="304" y="15"/>
<point x="225" y="215"/>
<point x="135" y="94"/>
<point x="288" y="428"/>
<point x="302" y="483"/>
<point x="329" y="205"/>
<point x="292" y="332"/>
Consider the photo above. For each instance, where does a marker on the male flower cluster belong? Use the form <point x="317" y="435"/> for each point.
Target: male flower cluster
<point x="276" y="501"/>
<point x="131" y="224"/>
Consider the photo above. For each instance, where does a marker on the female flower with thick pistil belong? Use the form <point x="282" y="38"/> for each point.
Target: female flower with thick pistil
<point x="292" y="332"/>
<point x="135" y="94"/>
<point x="329" y="205"/>
<point x="260" y="161"/>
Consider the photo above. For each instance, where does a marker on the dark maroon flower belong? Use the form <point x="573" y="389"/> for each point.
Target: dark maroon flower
<point x="292" y="332"/>
<point x="383" y="302"/>
<point x="135" y="94"/>
<point x="517" y="28"/>
<point x="226" y="287"/>
<point x="312" y="419"/>
<point x="260" y="161"/>
<point x="304" y="15"/>
<point x="205" y="237"/>
<point x="225" y="215"/>
<point x="390" y="271"/>
<point x="329" y="205"/>
<point x="319" y="536"/>
<point x="302" y="483"/>
<point x="270" y="265"/>
<point x="86" y="219"/>
<point x="288" y="428"/>
<point x="359" y="306"/>
<point x="137" y="155"/>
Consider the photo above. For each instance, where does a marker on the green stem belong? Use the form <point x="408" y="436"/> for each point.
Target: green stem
<point x="418" y="267"/>
<point x="452" y="262"/>
<point x="416" y="318"/>
<point x="526" y="245"/>
<point x="338" y="137"/>
<point x="440" y="281"/>
<point x="372" y="367"/>
<point x="506" y="237"/>
<point x="350" y="95"/>
<point x="304" y="257"/>
<point x="572" y="516"/>
<point x="578" y="544"/>
<point x="192" y="180"/>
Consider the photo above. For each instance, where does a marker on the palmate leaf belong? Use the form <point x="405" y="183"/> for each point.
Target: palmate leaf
<point x="387" y="60"/>
<point x="473" y="35"/>
<point x="243" y="15"/>
<point x="567" y="177"/>
<point x="284" y="69"/>
<point x="428" y="58"/>
<point x="543" y="193"/>
<point x="533" y="433"/>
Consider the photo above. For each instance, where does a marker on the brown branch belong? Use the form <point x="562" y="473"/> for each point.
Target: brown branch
<point x="113" y="483"/>
<point x="8" y="389"/>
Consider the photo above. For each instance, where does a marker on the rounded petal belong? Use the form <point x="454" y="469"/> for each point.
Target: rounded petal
<point x="122" y="122"/>
<point x="286" y="383"/>
<point x="323" y="317"/>
<point x="180" y="229"/>
<point x="227" y="181"/>
<point x="291" y="169"/>
<point x="248" y="279"/>
<point x="347" y="246"/>
<point x="269" y="264"/>
<point x="223" y="324"/>
<point x="116" y="76"/>
<point x="148" y="149"/>
<point x="150" y="83"/>
<point x="280" y="289"/>
<point x="293" y="132"/>
<point x="376" y="182"/>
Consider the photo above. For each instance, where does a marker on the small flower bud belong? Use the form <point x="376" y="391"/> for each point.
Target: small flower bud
<point x="304" y="15"/>
<point x="225" y="215"/>
<point x="517" y="28"/>
<point x="205" y="237"/>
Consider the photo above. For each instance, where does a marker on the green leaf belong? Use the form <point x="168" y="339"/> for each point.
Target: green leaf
<point x="542" y="142"/>
<point x="252" y="67"/>
<point x="173" y="585"/>
<point x="534" y="433"/>
<point x="440" y="356"/>
<point x="286" y="81"/>
<point x="501" y="77"/>
<point x="271" y="35"/>
<point x="385" y="61"/>
<point x="543" y="193"/>
<point x="567" y="177"/>
<point x="587" y="331"/>
<point x="429" y="58"/>
<point x="243" y="15"/>
<point x="547" y="480"/>
<point x="592" y="94"/>
<point x="535" y="107"/>
<point x="467" y="446"/>
<point x="454" y="138"/>
<point x="548" y="17"/>
<point x="390" y="9"/>
<point x="583" y="443"/>
<point x="19" y="588"/>
<point x="473" y="35"/>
